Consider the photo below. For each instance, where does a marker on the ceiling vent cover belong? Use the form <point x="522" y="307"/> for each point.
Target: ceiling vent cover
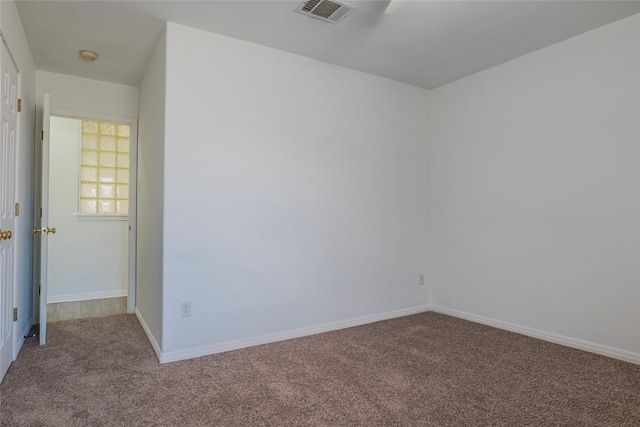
<point x="328" y="10"/>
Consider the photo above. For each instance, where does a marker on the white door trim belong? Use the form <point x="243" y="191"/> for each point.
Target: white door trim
<point x="18" y="334"/>
<point x="133" y="193"/>
<point x="43" y="238"/>
<point x="6" y="45"/>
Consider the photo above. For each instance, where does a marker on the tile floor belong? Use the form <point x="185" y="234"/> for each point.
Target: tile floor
<point x="84" y="309"/>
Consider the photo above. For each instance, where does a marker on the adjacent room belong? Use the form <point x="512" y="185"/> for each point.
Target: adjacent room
<point x="375" y="213"/>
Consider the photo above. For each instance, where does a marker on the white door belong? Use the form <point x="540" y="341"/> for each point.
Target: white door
<point x="44" y="229"/>
<point x="8" y="136"/>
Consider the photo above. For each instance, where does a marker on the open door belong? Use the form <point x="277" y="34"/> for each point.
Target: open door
<point x="44" y="229"/>
<point x="8" y="138"/>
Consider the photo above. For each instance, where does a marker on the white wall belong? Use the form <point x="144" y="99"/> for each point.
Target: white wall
<point x="87" y="258"/>
<point x="11" y="27"/>
<point x="86" y="95"/>
<point x="151" y="140"/>
<point x="533" y="190"/>
<point x="291" y="192"/>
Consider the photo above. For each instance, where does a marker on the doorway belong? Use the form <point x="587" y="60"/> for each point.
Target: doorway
<point x="91" y="257"/>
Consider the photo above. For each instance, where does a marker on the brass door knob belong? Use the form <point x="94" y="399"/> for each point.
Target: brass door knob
<point x="7" y="235"/>
<point x="51" y="230"/>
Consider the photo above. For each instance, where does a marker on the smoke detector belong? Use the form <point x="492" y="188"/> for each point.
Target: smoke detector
<point x="327" y="10"/>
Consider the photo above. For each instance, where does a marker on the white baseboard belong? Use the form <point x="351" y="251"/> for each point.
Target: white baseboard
<point x="603" y="350"/>
<point x="152" y="339"/>
<point x="191" y="353"/>
<point x="21" y="338"/>
<point x="86" y="296"/>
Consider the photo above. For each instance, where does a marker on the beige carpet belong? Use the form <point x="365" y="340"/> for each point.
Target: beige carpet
<point x="422" y="370"/>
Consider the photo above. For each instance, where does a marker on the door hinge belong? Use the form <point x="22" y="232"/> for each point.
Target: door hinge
<point x="40" y="212"/>
<point x="42" y="135"/>
<point x="15" y="314"/>
<point x="39" y="289"/>
<point x="17" y="211"/>
<point x="19" y="105"/>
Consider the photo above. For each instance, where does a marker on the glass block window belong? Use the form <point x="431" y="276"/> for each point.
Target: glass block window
<point x="104" y="168"/>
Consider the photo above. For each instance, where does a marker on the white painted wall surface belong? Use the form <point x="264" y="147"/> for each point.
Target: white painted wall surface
<point x="87" y="96"/>
<point x="533" y="189"/>
<point x="87" y="259"/>
<point x="151" y="155"/>
<point x="291" y="191"/>
<point x="11" y="27"/>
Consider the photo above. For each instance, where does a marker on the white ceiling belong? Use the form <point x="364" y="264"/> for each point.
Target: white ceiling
<point x="425" y="43"/>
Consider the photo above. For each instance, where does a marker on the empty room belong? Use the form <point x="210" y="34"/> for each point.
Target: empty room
<point x="320" y="213"/>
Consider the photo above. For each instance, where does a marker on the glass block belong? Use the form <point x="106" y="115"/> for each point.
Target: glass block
<point x="107" y="129"/>
<point x="107" y="191"/>
<point x="106" y="206"/>
<point x="88" y="205"/>
<point x="89" y="158"/>
<point x="107" y="143"/>
<point x="123" y="145"/>
<point x="89" y="126"/>
<point x="122" y="206"/>
<point x="89" y="190"/>
<point x="107" y="175"/>
<point x="89" y="141"/>
<point x="89" y="174"/>
<point x="122" y="191"/>
<point x="123" y="160"/>
<point x="108" y="159"/>
<point x="123" y="130"/>
<point x="123" y="176"/>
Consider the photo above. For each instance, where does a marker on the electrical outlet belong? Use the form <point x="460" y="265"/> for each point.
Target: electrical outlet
<point x="421" y="279"/>
<point x="185" y="310"/>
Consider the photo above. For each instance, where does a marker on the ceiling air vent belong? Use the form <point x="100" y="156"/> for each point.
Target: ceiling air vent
<point x="328" y="10"/>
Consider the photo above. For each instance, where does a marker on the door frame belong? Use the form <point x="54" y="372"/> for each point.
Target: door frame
<point x="133" y="186"/>
<point x="18" y="335"/>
